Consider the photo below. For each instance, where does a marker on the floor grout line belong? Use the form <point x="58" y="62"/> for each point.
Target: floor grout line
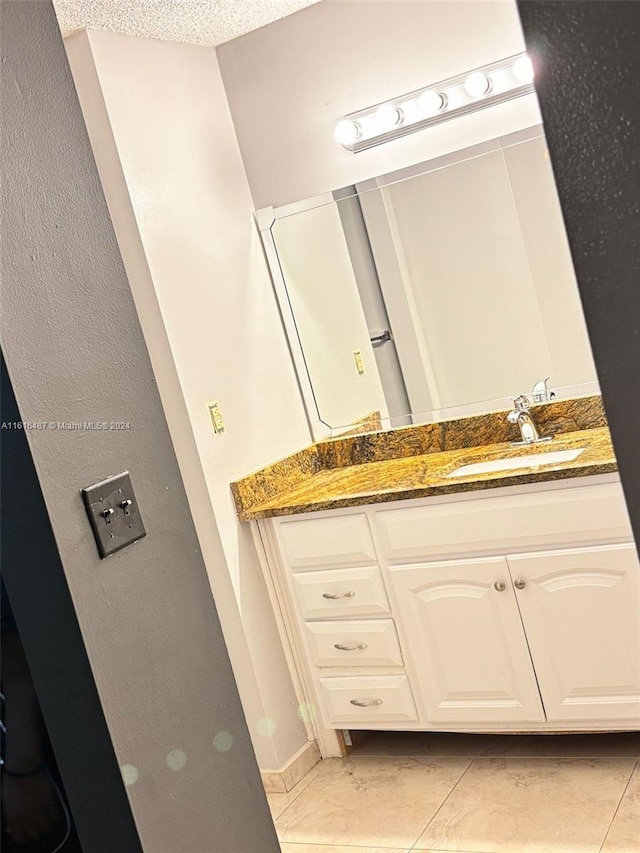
<point x="441" y="850"/>
<point x="468" y="758"/>
<point x="326" y="761"/>
<point x="433" y="817"/>
<point x="626" y="788"/>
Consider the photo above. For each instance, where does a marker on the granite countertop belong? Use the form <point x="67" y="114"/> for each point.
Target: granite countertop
<point x="422" y="475"/>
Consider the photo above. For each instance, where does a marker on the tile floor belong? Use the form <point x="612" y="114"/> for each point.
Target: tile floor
<point x="405" y="791"/>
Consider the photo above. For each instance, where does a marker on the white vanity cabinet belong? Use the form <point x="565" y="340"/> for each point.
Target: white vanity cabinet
<point x="468" y="646"/>
<point x="511" y="609"/>
<point x="580" y="611"/>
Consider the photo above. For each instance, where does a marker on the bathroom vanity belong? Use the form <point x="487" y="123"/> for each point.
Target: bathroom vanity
<point x="516" y="607"/>
<point x="428" y="573"/>
<point x="501" y="600"/>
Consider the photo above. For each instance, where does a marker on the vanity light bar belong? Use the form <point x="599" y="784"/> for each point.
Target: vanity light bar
<point x="492" y="84"/>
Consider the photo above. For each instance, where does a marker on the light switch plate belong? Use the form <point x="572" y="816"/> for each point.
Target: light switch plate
<point x="113" y="513"/>
<point x="359" y="360"/>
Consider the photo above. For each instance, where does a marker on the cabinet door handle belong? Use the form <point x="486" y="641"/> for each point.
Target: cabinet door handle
<point x="519" y="583"/>
<point x="365" y="703"/>
<point x="354" y="648"/>
<point x="500" y="586"/>
<point x="334" y="595"/>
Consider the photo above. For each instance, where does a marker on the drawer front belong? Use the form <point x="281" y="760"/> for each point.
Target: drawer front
<point x="340" y="592"/>
<point x="542" y="519"/>
<point x="362" y="700"/>
<point x="367" y="642"/>
<point x="325" y="542"/>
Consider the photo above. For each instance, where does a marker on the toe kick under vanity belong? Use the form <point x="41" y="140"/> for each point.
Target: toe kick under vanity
<point x="410" y="599"/>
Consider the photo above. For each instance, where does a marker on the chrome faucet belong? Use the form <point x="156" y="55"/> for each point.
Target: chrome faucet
<point x="522" y="416"/>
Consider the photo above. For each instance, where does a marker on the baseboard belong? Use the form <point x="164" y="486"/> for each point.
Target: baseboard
<point x="283" y="780"/>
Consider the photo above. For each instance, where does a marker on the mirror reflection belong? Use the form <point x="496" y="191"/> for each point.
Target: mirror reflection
<point x="447" y="286"/>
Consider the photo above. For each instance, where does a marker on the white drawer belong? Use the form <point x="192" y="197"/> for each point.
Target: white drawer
<point x="320" y="542"/>
<point x="363" y="700"/>
<point x="340" y="592"/>
<point x="568" y="516"/>
<point x="366" y="642"/>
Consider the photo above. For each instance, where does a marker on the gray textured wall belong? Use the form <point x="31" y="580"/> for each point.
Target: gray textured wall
<point x="75" y="353"/>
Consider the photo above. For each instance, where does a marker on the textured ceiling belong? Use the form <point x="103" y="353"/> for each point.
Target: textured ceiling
<point x="207" y="22"/>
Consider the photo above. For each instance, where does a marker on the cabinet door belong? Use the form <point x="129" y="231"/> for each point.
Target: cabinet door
<point x="468" y="649"/>
<point x="581" y="614"/>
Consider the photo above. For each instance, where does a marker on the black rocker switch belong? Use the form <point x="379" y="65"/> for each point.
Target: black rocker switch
<point x="113" y="512"/>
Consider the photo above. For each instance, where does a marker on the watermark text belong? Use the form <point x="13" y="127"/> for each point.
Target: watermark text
<point x="70" y="426"/>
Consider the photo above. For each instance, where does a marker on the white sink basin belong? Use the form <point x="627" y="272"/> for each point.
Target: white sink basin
<point x="533" y="460"/>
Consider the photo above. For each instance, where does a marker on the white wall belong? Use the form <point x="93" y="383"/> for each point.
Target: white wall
<point x="173" y="178"/>
<point x="289" y="83"/>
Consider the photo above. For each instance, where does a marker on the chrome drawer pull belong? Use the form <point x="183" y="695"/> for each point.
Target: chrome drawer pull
<point x="365" y="703"/>
<point x="334" y="595"/>
<point x="356" y="647"/>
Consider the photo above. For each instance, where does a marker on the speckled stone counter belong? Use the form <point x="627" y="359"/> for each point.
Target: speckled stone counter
<point x="415" y="462"/>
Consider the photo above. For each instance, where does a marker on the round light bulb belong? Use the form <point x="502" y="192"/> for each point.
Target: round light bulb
<point x="347" y="131"/>
<point x="523" y="69"/>
<point x="387" y="117"/>
<point x="431" y="102"/>
<point x="477" y="84"/>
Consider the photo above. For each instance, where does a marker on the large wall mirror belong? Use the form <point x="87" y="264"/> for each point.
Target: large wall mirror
<point x="444" y="289"/>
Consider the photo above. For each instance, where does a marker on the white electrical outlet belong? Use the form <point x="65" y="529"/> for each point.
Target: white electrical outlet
<point x="216" y="417"/>
<point x="359" y="360"/>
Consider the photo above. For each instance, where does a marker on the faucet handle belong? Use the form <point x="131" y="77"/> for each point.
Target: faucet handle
<point x="541" y="393"/>
<point x="521" y="403"/>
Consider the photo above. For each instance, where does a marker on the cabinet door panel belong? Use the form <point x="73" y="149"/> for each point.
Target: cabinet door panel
<point x="470" y="656"/>
<point x="581" y="613"/>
